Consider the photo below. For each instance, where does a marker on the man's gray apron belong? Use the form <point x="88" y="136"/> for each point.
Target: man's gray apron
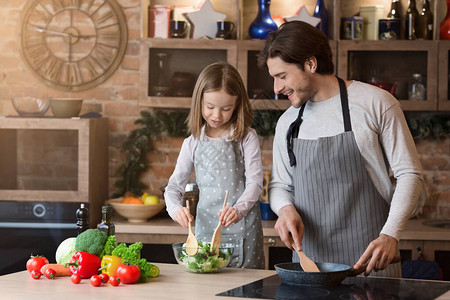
<point x="341" y="209"/>
<point x="219" y="166"/>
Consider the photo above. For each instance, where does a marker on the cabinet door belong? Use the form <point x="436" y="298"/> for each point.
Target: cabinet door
<point x="170" y="67"/>
<point x="444" y="76"/>
<point x="391" y="64"/>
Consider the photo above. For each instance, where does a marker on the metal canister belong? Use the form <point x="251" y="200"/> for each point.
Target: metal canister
<point x="352" y="28"/>
<point x="389" y="29"/>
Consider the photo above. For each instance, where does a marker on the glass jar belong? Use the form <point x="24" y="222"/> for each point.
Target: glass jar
<point x="417" y="87"/>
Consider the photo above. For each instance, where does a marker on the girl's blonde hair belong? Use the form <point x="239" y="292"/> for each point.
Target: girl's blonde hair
<point x="215" y="77"/>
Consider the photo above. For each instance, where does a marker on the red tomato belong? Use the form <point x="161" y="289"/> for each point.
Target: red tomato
<point x="104" y="277"/>
<point x="36" y="263"/>
<point x="75" y="278"/>
<point x="114" y="280"/>
<point x="36" y="274"/>
<point x="96" y="280"/>
<point x="128" y="274"/>
<point x="50" y="273"/>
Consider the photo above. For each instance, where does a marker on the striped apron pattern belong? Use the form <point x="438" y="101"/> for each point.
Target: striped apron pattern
<point x="219" y="166"/>
<point x="340" y="207"/>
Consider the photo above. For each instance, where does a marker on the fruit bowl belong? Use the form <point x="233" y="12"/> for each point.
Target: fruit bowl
<point x="30" y="106"/>
<point x="66" y="107"/>
<point x="204" y="261"/>
<point x="136" y="212"/>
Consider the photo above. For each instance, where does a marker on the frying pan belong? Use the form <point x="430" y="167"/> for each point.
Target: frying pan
<point x="330" y="273"/>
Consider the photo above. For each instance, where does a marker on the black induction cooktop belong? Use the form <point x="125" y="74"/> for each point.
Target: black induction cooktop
<point x="358" y="288"/>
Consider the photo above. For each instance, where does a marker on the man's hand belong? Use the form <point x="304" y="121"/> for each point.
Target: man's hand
<point x="290" y="226"/>
<point x="380" y="252"/>
<point x="183" y="217"/>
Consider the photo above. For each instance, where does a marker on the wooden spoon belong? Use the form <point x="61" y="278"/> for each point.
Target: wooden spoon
<point x="307" y="264"/>
<point x="191" y="242"/>
<point x="215" y="242"/>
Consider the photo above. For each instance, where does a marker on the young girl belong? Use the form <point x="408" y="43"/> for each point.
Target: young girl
<point x="225" y="153"/>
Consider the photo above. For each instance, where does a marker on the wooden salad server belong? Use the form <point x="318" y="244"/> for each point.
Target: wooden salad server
<point x="191" y="242"/>
<point x="215" y="242"/>
<point x="307" y="264"/>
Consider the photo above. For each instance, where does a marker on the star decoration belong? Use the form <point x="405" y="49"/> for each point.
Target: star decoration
<point x="303" y="15"/>
<point x="204" y="20"/>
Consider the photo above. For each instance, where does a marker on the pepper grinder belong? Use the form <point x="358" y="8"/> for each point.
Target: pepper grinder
<point x="82" y="218"/>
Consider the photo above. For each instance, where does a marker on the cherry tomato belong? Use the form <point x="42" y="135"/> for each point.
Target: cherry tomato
<point x="96" y="280"/>
<point x="114" y="280"/>
<point x="36" y="274"/>
<point x="128" y="273"/>
<point x="75" y="278"/>
<point x="36" y="263"/>
<point x="104" y="277"/>
<point x="50" y="273"/>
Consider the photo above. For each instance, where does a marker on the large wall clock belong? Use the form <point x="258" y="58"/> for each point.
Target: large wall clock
<point x="73" y="45"/>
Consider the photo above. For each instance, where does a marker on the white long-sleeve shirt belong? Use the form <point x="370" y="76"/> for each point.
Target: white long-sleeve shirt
<point x="251" y="154"/>
<point x="383" y="139"/>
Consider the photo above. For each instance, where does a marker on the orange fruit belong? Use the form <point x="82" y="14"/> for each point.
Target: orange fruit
<point x="132" y="200"/>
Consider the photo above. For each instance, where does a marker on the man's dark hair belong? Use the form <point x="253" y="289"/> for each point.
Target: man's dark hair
<point x="294" y="43"/>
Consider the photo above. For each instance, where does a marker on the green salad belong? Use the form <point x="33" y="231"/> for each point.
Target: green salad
<point x="205" y="261"/>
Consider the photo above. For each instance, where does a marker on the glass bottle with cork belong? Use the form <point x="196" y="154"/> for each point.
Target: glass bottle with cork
<point x="411" y="19"/>
<point x="394" y="12"/>
<point x="425" y="22"/>
<point x="106" y="225"/>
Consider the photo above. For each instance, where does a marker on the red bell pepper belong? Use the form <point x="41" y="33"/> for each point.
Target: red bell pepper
<point x="84" y="264"/>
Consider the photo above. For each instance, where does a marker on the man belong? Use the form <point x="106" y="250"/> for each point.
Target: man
<point x="332" y="152"/>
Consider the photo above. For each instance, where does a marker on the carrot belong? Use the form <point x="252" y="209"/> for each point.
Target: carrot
<point x="59" y="269"/>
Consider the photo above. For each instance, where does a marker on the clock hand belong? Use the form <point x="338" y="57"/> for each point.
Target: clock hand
<point x="69" y="35"/>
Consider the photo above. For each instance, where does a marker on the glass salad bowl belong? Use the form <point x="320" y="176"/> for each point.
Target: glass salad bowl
<point x="30" y="106"/>
<point x="204" y="261"/>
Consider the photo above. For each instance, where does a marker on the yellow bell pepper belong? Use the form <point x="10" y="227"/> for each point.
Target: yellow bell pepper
<point x="110" y="264"/>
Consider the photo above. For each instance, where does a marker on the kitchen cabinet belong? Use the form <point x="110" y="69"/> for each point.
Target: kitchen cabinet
<point x="444" y="76"/>
<point x="55" y="160"/>
<point x="183" y="61"/>
<point x="392" y="62"/>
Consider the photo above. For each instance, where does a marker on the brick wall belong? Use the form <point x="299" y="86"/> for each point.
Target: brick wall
<point x="117" y="99"/>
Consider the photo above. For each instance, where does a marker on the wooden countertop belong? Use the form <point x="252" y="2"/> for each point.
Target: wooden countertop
<point x="414" y="230"/>
<point x="173" y="283"/>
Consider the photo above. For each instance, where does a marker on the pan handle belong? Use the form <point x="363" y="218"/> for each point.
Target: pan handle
<point x="356" y="272"/>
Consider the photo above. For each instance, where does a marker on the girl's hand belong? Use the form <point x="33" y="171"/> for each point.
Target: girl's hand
<point x="228" y="215"/>
<point x="183" y="217"/>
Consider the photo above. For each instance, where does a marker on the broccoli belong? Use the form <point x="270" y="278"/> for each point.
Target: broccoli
<point x="92" y="241"/>
<point x="110" y="244"/>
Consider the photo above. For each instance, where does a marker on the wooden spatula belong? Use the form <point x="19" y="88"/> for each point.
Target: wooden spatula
<point x="191" y="242"/>
<point x="215" y="242"/>
<point x="307" y="264"/>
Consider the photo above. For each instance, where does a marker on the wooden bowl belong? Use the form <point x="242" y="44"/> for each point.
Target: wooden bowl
<point x="136" y="212"/>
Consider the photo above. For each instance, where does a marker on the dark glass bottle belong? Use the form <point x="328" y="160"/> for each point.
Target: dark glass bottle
<point x="321" y="12"/>
<point x="425" y="22"/>
<point x="395" y="11"/>
<point x="263" y="24"/>
<point x="82" y="218"/>
<point x="411" y="19"/>
<point x="106" y="225"/>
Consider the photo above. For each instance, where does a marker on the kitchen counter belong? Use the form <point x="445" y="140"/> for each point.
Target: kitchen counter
<point x="173" y="283"/>
<point x="414" y="230"/>
<point x="163" y="230"/>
